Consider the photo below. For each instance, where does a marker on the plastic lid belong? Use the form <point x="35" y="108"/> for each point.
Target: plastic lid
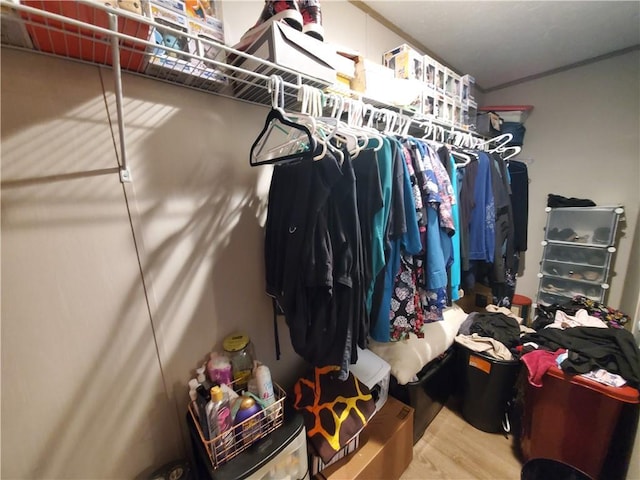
<point x="624" y="394"/>
<point x="216" y="394"/>
<point x="193" y="384"/>
<point x="236" y="342"/>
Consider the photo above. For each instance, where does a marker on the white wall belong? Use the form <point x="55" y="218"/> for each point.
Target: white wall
<point x="94" y="362"/>
<point x="112" y="294"/>
<point x="583" y="139"/>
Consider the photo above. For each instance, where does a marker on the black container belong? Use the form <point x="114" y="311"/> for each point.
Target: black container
<point x="547" y="469"/>
<point x="486" y="387"/>
<point x="429" y="393"/>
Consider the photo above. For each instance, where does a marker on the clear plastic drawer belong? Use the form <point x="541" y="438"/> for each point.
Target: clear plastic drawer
<point x="592" y="274"/>
<point x="576" y="256"/>
<point x="583" y="225"/>
<point x="557" y="290"/>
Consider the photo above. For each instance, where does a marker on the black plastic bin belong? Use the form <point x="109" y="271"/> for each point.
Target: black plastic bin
<point x="486" y="387"/>
<point x="548" y="469"/>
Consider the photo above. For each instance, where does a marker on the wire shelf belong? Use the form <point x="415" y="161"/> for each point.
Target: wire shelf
<point x="88" y="31"/>
<point x="81" y="31"/>
<point x="244" y="434"/>
<point x="91" y="32"/>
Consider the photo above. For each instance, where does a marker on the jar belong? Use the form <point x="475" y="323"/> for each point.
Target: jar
<point x="239" y="349"/>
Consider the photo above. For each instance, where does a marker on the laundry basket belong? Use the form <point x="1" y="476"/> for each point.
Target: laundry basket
<point x="486" y="386"/>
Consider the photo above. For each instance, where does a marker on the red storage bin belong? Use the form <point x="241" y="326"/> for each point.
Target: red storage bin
<point x="572" y="419"/>
<point x="65" y="39"/>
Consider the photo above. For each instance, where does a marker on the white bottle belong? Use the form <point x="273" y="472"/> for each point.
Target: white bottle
<point x="265" y="385"/>
<point x="201" y="378"/>
<point x="193" y="384"/>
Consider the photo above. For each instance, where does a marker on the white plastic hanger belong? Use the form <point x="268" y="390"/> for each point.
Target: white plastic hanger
<point x="515" y="151"/>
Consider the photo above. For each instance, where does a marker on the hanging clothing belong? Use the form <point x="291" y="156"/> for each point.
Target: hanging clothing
<point x="404" y="238"/>
<point x="384" y="163"/>
<point x="370" y="203"/>
<point x="483" y="216"/>
<point x="311" y="258"/>
<point x="455" y="279"/>
<point x="520" y="203"/>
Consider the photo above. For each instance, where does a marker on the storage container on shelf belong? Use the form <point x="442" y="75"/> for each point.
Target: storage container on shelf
<point x="509" y="113"/>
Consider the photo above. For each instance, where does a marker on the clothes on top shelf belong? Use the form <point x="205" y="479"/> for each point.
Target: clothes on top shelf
<point x="376" y="245"/>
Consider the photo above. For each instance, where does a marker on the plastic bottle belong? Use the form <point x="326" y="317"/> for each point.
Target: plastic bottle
<point x="201" y="378"/>
<point x="219" y="369"/>
<point x="265" y="385"/>
<point x="193" y="395"/>
<point x="220" y="423"/>
<point x="202" y="400"/>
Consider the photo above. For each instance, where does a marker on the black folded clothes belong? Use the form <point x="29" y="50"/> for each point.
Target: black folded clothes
<point x="558" y="201"/>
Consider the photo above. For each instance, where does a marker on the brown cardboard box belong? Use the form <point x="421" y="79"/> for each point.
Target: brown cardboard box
<point x="477" y="299"/>
<point x="386" y="447"/>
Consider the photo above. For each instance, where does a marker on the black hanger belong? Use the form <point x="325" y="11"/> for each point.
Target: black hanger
<point x="277" y="115"/>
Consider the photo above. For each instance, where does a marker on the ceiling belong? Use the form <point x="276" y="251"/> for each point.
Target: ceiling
<point x="500" y="42"/>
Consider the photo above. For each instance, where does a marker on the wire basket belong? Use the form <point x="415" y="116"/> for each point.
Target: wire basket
<point x="221" y="449"/>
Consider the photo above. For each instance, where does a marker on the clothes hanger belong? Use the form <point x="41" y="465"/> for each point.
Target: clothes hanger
<point x="342" y="133"/>
<point x="516" y="151"/>
<point x="502" y="140"/>
<point x="298" y="142"/>
<point x="466" y="158"/>
<point x="428" y="129"/>
<point x="367" y="128"/>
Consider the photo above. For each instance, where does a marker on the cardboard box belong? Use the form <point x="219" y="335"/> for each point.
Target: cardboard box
<point x="468" y="88"/>
<point x="386" y="447"/>
<point x="477" y="299"/>
<point x="452" y="85"/>
<point x="429" y="71"/>
<point x="165" y="63"/>
<point x="316" y="465"/>
<point x="71" y="41"/>
<point x="406" y="62"/>
<point x="429" y="102"/>
<point x="372" y="79"/>
<point x="287" y="47"/>
<point x="347" y="61"/>
<point x="177" y="6"/>
<point x="441" y="78"/>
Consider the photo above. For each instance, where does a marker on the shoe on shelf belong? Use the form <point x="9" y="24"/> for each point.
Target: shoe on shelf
<point x="311" y="18"/>
<point x="274" y="11"/>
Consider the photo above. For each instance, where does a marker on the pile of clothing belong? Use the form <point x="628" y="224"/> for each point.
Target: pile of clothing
<point x="496" y="333"/>
<point x="581" y="337"/>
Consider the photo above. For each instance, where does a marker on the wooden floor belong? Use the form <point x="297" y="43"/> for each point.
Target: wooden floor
<point x="452" y="449"/>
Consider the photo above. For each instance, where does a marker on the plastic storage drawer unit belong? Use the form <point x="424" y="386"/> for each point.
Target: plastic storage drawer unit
<point x="579" y="244"/>
<point x="281" y="454"/>
<point x="579" y="422"/>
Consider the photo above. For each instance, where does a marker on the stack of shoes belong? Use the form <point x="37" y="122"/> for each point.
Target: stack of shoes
<point x="303" y="15"/>
<point x="312" y="18"/>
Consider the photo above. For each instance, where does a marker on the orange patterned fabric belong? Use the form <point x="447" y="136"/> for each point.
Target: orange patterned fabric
<point x="334" y="411"/>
